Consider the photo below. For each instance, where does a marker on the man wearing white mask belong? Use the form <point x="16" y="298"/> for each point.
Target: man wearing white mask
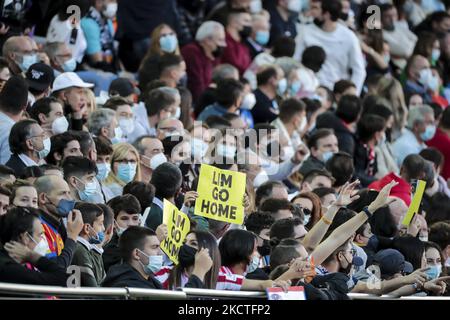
<point x="49" y="113"/>
<point x="151" y="152"/>
<point x="124" y="114"/>
<point x="322" y="144"/>
<point x="29" y="145"/>
<point x="420" y="78"/>
<point x="291" y="122"/>
<point x="103" y="123"/>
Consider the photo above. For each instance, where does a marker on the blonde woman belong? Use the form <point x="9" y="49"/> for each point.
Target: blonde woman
<point x="91" y="104"/>
<point x="125" y="167"/>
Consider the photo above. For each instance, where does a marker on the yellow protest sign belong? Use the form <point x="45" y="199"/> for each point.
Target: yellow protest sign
<point x="178" y="226"/>
<point x="418" y="188"/>
<point x="220" y="194"/>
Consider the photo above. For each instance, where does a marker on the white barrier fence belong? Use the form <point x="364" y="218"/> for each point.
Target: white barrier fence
<point x="21" y="291"/>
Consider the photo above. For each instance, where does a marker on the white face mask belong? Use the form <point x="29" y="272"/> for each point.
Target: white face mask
<point x="295" y="5"/>
<point x="198" y="148"/>
<point x="248" y="102"/>
<point x="157" y="160"/>
<point x="177" y="113"/>
<point x="226" y="151"/>
<point x="260" y="179"/>
<point x="60" y="125"/>
<point x="288" y="153"/>
<point x="110" y="10"/>
<point x="303" y="124"/>
<point x="126" y="125"/>
<point x="41" y="246"/>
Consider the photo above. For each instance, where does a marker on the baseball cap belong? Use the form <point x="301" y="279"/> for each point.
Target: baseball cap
<point x="69" y="79"/>
<point x="39" y="76"/>
<point x="392" y="261"/>
<point x="122" y="87"/>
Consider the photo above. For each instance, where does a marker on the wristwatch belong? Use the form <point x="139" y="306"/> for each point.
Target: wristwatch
<point x="367" y="212"/>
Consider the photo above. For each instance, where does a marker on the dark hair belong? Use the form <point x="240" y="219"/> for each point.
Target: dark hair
<point x="311" y="175"/>
<point x="127" y="203"/>
<point x="228" y="92"/>
<point x="439" y="208"/>
<point x="6" y="171"/>
<point x="133" y="237"/>
<point x="322" y="192"/>
<point x="412" y="248"/>
<point x="157" y="101"/>
<point x="433" y="155"/>
<point x="424" y="44"/>
<point x="313" y="58"/>
<point x="115" y="102"/>
<point x="265" y="75"/>
<point x="236" y="246"/>
<point x="14" y="95"/>
<point x="440" y="234"/>
<point x="414" y="165"/>
<point x="32" y="172"/>
<point x="58" y="143"/>
<point x="265" y="190"/>
<point x="20" y="133"/>
<point x="283" y="229"/>
<point x="283" y="254"/>
<point x="341" y="168"/>
<point x="167" y="180"/>
<point x="257" y="221"/>
<point x="170" y="143"/>
<point x="17" y="221"/>
<point x="78" y="167"/>
<point x="85" y="140"/>
<point x="46" y="167"/>
<point x="368" y="125"/>
<point x="379" y="110"/>
<point x="217" y="122"/>
<point x="342" y="85"/>
<point x="273" y="205"/>
<point x="231" y="116"/>
<point x="317" y="135"/>
<point x="333" y="7"/>
<point x="290" y="107"/>
<point x="283" y="46"/>
<point x="144" y="192"/>
<point x="341" y="217"/>
<point x="108" y="215"/>
<point x="89" y="211"/>
<point x="42" y="106"/>
<point x="349" y="108"/>
<point x="167" y="61"/>
<point x="204" y="240"/>
<point x="103" y="146"/>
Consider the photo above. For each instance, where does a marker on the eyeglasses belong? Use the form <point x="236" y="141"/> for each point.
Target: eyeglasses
<point x="353" y="252"/>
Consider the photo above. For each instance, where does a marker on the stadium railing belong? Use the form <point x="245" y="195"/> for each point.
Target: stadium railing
<point x="21" y="291"/>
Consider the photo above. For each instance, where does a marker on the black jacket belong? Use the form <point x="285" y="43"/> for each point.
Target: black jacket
<point x="264" y="110"/>
<point x="346" y="138"/>
<point x="111" y="253"/>
<point x="49" y="273"/>
<point x="16" y="164"/>
<point x="124" y="275"/>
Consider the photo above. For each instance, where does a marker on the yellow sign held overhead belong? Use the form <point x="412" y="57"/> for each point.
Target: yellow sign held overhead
<point x="220" y="194"/>
<point x="178" y="226"/>
<point x="418" y="188"/>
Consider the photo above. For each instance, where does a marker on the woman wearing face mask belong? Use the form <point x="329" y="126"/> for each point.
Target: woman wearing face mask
<point x="22" y="258"/>
<point x="125" y="167"/>
<point x="427" y="45"/>
<point x="199" y="258"/>
<point x="435" y="261"/>
<point x="311" y="206"/>
<point x="164" y="40"/>
<point x="239" y="255"/>
<point x="99" y="32"/>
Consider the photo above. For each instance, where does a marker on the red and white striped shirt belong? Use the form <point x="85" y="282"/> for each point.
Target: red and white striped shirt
<point x="163" y="277"/>
<point x="227" y="280"/>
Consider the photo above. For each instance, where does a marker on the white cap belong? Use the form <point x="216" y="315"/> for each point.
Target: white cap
<point x="69" y="79"/>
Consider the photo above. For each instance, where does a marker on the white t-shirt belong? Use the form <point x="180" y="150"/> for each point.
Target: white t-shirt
<point x="61" y="31"/>
<point x="343" y="53"/>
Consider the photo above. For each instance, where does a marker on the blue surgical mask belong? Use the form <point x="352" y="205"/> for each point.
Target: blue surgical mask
<point x="168" y="43"/>
<point x="153" y="265"/>
<point x="98" y="238"/>
<point x="262" y="37"/>
<point x="282" y="86"/>
<point x="65" y="206"/>
<point x="28" y="61"/>
<point x="70" y="65"/>
<point x="117" y="135"/>
<point x="327" y="156"/>
<point x="295" y="87"/>
<point x="433" y="272"/>
<point x="103" y="170"/>
<point x="429" y="133"/>
<point x="253" y="265"/>
<point x="126" y="172"/>
<point x="46" y="149"/>
<point x="198" y="148"/>
<point x="435" y="54"/>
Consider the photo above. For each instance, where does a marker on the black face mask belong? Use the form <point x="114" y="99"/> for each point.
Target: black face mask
<point x="218" y="52"/>
<point x="347" y="269"/>
<point x="388" y="133"/>
<point x="186" y="256"/>
<point x="265" y="249"/>
<point x="318" y="22"/>
<point x="192" y="5"/>
<point x="344" y="16"/>
<point x="245" y="32"/>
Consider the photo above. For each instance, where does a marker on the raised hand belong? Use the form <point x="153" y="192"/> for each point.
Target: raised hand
<point x="189" y="198"/>
<point x="74" y="224"/>
<point x="346" y="196"/>
<point x="203" y="261"/>
<point x="161" y="232"/>
<point x="18" y="251"/>
<point x="383" y="197"/>
<point x="437" y="286"/>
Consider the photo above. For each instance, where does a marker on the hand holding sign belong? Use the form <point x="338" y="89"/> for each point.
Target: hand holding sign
<point x="220" y="194"/>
